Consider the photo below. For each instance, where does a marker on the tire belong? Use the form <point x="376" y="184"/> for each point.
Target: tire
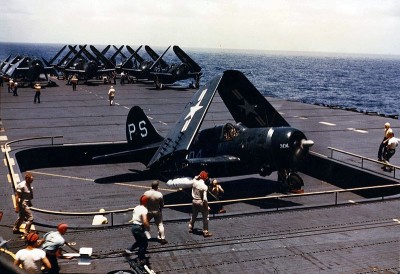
<point x="295" y="183"/>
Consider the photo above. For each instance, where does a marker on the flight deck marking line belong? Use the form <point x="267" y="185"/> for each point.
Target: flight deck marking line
<point x="126" y="107"/>
<point x="131" y="185"/>
<point x="328" y="124"/>
<point x="396" y="220"/>
<point x="62" y="176"/>
<point x="357" y="130"/>
<point x="92" y="180"/>
<point x="301" y="117"/>
<point x="12" y="162"/>
<point x="5" y="148"/>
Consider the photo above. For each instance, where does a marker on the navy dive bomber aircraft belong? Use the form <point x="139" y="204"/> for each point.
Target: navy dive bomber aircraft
<point x="260" y="142"/>
<point x="187" y="69"/>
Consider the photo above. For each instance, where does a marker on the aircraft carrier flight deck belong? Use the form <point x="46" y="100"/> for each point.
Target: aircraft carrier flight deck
<point x="325" y="230"/>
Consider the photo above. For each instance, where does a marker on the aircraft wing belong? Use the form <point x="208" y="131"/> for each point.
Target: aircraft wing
<point x="15" y="67"/>
<point x="194" y="67"/>
<point x="136" y="55"/>
<point x="246" y="104"/>
<point x="72" y="60"/>
<point x="181" y="136"/>
<point x="77" y="71"/>
<point x="214" y="160"/>
<point x="61" y="62"/>
<point x="103" y="59"/>
<point x="106" y="70"/>
<point x="5" y="62"/>
<point x="56" y="56"/>
<point x="155" y="56"/>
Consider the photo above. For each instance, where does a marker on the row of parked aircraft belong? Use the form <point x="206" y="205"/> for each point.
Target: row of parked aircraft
<point x="94" y="64"/>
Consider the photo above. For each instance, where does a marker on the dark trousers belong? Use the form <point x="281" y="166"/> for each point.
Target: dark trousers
<point x="382" y="149"/>
<point x="388" y="154"/>
<point x="55" y="268"/>
<point x="141" y="240"/>
<point x="37" y="97"/>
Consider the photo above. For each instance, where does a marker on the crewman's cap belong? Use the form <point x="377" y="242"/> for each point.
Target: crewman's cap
<point x="203" y="175"/>
<point x="102" y="210"/>
<point x="37" y="85"/>
<point x="32" y="237"/>
<point x="112" y="87"/>
<point x="62" y="228"/>
<point x="143" y="200"/>
<point x="387" y="124"/>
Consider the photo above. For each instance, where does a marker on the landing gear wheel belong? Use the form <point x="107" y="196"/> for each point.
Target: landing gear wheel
<point x="295" y="183"/>
<point x="159" y="85"/>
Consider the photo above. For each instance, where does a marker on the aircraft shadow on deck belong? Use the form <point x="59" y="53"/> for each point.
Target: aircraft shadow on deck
<point x="234" y="189"/>
<point x="133" y="176"/>
<point x="175" y="88"/>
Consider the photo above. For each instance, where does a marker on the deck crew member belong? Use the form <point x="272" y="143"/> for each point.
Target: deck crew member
<point x="74" y="82"/>
<point x="32" y="258"/>
<point x="111" y="95"/>
<point x="100" y="219"/>
<point x="391" y="144"/>
<point x="10" y="85"/>
<point x="140" y="227"/>
<point x="52" y="243"/>
<point x="385" y="137"/>
<point x="23" y="202"/>
<point x="154" y="206"/>
<point x="37" y="87"/>
<point x="15" y="90"/>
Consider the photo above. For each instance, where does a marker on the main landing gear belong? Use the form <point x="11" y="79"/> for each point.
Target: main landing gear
<point x="290" y="181"/>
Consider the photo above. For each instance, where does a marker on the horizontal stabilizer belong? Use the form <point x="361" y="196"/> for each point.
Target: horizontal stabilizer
<point x="150" y="149"/>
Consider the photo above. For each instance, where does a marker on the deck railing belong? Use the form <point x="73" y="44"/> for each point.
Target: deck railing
<point x="14" y="176"/>
<point x="364" y="160"/>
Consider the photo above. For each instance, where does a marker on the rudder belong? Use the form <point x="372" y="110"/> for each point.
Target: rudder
<point x="139" y="130"/>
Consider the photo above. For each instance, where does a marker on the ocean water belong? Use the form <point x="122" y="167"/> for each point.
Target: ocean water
<point x="362" y="83"/>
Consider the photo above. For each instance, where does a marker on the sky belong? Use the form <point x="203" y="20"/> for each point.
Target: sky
<point x="346" y="26"/>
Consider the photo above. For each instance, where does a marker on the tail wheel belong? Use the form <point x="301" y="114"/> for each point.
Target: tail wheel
<point x="295" y="183"/>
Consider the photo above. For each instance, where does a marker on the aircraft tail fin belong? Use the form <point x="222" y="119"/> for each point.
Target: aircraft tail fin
<point x="139" y="130"/>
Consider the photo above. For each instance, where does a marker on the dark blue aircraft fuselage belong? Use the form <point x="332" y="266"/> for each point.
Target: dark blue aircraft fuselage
<point x="257" y="149"/>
